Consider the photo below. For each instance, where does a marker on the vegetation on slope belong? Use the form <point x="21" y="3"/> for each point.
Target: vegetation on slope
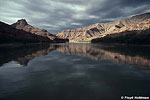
<point x="128" y="37"/>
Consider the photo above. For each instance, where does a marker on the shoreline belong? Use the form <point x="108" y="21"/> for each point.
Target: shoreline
<point x="20" y="44"/>
<point x="117" y="44"/>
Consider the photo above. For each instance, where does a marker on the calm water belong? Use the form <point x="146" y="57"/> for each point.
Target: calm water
<point x="73" y="72"/>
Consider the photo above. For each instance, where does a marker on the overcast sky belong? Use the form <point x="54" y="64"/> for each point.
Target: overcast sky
<point x="56" y="15"/>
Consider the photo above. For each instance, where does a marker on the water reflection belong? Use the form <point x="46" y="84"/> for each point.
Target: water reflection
<point x="134" y="55"/>
<point x="120" y="54"/>
<point x="23" y="53"/>
<point x="73" y="72"/>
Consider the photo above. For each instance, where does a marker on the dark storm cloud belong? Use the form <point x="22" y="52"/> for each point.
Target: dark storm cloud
<point x="56" y="15"/>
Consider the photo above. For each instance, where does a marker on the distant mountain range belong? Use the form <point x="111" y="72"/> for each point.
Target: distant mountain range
<point x="136" y="24"/>
<point x="22" y="32"/>
<point x="132" y="30"/>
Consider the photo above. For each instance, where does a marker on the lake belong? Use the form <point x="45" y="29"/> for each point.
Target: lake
<point x="75" y="71"/>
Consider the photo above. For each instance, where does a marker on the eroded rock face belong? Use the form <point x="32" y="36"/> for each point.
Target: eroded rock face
<point x="20" y="24"/>
<point x="9" y="34"/>
<point x="23" y="25"/>
<point x="132" y="34"/>
<point x="101" y="29"/>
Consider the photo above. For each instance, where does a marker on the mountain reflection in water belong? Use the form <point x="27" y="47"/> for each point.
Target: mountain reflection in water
<point x="120" y="54"/>
<point x="23" y="53"/>
<point x="73" y="72"/>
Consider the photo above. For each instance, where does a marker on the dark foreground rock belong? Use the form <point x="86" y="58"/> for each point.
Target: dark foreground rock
<point x="8" y="34"/>
<point x="23" y="25"/>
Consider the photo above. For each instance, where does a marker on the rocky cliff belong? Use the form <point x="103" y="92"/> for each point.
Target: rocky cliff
<point x="9" y="34"/>
<point x="102" y="29"/>
<point x="131" y="34"/>
<point x="23" y="25"/>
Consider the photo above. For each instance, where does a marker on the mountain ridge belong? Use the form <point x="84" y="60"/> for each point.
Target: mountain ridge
<point x="8" y="34"/>
<point x="101" y="29"/>
<point x="23" y="25"/>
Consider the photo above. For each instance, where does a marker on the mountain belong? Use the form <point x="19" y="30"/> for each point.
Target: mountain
<point x="101" y="29"/>
<point x="132" y="34"/>
<point x="8" y="34"/>
<point x="23" y="25"/>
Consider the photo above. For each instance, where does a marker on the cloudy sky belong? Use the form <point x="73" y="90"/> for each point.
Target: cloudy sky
<point x="56" y="15"/>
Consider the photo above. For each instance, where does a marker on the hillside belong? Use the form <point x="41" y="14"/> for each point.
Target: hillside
<point x="23" y="25"/>
<point x="132" y="34"/>
<point x="9" y="34"/>
<point x="101" y="29"/>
